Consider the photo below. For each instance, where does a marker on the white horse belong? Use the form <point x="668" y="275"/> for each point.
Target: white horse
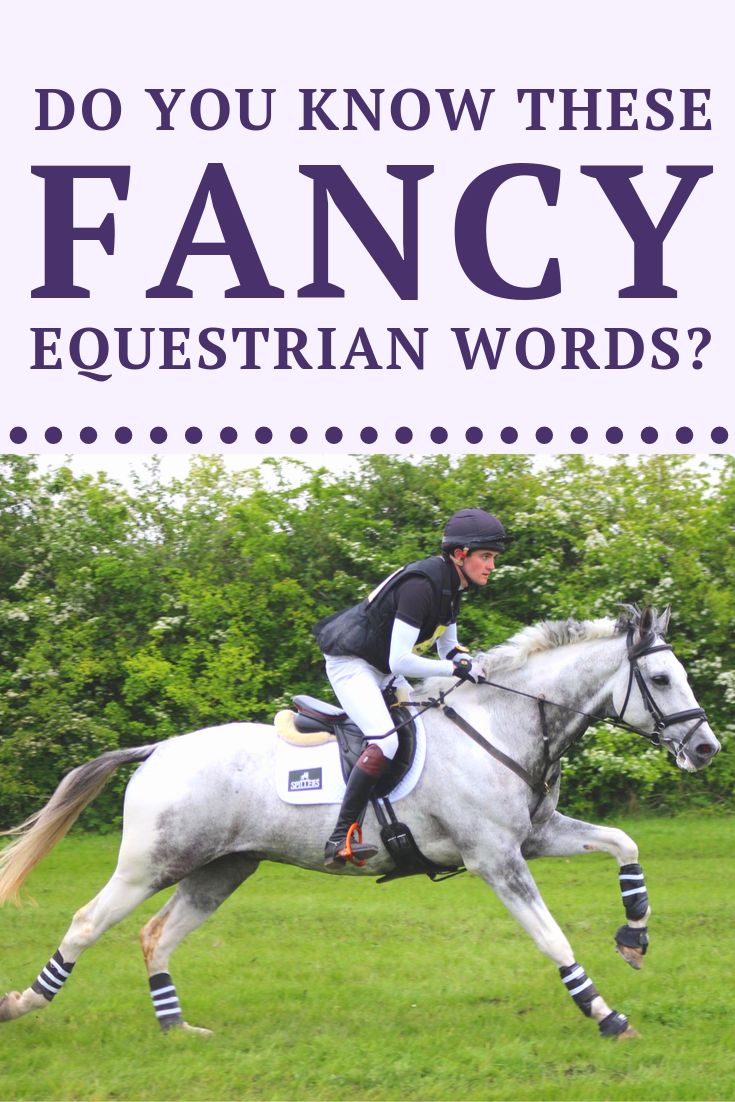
<point x="202" y="810"/>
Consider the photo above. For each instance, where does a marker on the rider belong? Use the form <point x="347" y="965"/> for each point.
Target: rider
<point x="372" y="643"/>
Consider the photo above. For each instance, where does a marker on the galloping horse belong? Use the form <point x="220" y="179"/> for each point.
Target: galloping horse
<point x="202" y="810"/>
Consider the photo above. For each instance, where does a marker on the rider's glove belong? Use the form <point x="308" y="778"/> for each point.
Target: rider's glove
<point x="466" y="669"/>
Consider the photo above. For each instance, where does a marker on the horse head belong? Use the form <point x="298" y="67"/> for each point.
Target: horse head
<point x="652" y="693"/>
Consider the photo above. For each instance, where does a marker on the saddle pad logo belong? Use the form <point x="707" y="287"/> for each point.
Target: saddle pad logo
<point x="301" y="779"/>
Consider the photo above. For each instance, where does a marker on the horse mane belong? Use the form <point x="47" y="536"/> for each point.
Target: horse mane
<point x="550" y="634"/>
<point x="545" y="636"/>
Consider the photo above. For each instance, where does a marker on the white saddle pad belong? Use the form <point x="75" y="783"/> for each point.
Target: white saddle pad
<point x="313" y="774"/>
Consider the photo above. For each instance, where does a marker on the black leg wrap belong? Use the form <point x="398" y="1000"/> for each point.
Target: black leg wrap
<point x="633" y="890"/>
<point x="633" y="937"/>
<point x="613" y="1025"/>
<point x="52" y="977"/>
<point x="165" y="1001"/>
<point x="579" y="986"/>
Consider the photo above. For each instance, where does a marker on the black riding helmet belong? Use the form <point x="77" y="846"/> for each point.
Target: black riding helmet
<point x="474" y="529"/>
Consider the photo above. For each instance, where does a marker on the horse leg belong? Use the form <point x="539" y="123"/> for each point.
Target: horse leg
<point x="560" y="836"/>
<point x="510" y="878"/>
<point x="116" y="900"/>
<point x="197" y="896"/>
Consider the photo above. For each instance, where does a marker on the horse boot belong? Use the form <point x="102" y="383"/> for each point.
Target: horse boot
<point x="368" y="769"/>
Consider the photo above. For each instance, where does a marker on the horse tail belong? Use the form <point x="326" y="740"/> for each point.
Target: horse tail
<point x="35" y="837"/>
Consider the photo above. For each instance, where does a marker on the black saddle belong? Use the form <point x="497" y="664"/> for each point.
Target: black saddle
<point x="317" y="715"/>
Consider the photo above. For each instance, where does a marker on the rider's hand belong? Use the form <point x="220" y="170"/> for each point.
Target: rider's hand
<point x="466" y="669"/>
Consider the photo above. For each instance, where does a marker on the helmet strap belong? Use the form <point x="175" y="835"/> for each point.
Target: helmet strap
<point x="458" y="559"/>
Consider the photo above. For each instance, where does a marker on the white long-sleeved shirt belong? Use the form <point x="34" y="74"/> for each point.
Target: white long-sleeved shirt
<point x="403" y="661"/>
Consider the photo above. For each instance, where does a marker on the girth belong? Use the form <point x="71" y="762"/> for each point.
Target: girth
<point x="401" y="845"/>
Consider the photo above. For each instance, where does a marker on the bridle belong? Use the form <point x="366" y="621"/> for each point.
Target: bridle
<point x="660" y="720"/>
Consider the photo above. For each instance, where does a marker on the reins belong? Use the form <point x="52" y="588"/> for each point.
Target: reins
<point x="542" y="787"/>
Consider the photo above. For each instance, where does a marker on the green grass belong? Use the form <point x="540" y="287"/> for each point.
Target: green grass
<point x="333" y="989"/>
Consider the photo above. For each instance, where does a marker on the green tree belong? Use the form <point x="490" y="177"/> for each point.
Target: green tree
<point x="130" y="614"/>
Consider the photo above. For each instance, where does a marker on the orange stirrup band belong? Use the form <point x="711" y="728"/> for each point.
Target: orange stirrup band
<point x="355" y="831"/>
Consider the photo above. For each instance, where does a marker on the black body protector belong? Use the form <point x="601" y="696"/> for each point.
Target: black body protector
<point x="365" y="630"/>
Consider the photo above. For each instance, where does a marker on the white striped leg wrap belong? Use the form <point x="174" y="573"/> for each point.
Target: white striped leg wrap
<point x="633" y="891"/>
<point x="52" y="977"/>
<point x="165" y="1000"/>
<point x="579" y="986"/>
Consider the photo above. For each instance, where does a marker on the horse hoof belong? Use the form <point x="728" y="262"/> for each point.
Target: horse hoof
<point x="196" y="1029"/>
<point x="633" y="956"/>
<point x="9" y="1006"/>
<point x="628" y="1034"/>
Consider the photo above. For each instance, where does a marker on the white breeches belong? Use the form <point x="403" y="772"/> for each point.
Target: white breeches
<point x="357" y="686"/>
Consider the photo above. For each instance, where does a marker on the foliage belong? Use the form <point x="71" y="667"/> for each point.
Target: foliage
<point x="132" y="613"/>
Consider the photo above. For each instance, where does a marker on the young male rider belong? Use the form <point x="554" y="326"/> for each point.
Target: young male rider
<point x="369" y="644"/>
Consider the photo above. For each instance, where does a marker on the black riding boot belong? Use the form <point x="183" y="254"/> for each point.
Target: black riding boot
<point x="369" y="767"/>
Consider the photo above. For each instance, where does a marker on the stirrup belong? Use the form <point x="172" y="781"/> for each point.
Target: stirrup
<point x="359" y="853"/>
<point x="356" y="852"/>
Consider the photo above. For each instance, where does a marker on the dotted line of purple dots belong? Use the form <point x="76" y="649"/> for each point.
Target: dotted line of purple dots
<point x="369" y="435"/>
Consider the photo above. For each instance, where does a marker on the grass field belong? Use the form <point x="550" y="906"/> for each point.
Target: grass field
<point x="331" y="989"/>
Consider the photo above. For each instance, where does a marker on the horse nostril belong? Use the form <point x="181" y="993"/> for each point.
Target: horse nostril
<point x="704" y="749"/>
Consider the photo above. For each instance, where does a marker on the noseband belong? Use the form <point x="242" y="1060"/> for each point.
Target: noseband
<point x="660" y="720"/>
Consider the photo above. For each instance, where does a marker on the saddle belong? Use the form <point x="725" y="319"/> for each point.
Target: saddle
<point x="314" y="716"/>
<point x="315" y="722"/>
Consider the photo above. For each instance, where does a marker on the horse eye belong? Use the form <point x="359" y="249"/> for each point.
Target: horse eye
<point x="661" y="679"/>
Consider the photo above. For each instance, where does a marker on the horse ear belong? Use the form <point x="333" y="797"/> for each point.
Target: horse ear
<point x="628" y="617"/>
<point x="646" y="622"/>
<point x="662" y="621"/>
